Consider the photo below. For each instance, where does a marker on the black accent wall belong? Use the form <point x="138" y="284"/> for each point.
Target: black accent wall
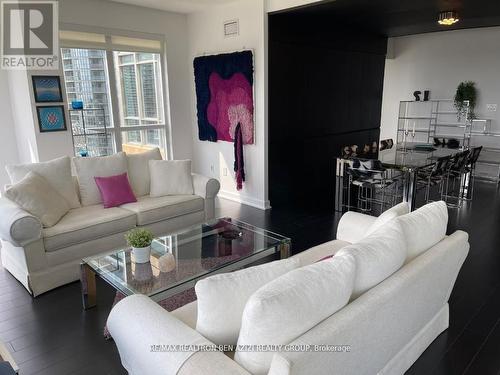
<point x="325" y="91"/>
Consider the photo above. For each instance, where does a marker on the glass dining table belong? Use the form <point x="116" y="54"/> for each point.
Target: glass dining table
<point x="406" y="158"/>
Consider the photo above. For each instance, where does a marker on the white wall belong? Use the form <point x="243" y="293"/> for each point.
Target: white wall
<point x="439" y="62"/>
<point x="206" y="37"/>
<point x="106" y="14"/>
<point x="8" y="144"/>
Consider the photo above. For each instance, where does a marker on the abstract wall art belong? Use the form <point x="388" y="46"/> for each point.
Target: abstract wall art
<point x="47" y="89"/>
<point x="51" y="119"/>
<point x="224" y="94"/>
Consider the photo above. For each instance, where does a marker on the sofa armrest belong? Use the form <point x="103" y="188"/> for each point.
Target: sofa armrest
<point x="353" y="226"/>
<point x="148" y="337"/>
<point x="18" y="226"/>
<point x="205" y="187"/>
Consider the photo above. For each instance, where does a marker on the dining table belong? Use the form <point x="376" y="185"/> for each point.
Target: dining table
<point x="407" y="158"/>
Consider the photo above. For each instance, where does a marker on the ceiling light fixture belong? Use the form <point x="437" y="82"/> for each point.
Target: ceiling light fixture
<point x="448" y="18"/>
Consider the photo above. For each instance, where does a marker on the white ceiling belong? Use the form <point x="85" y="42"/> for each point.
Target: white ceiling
<point x="180" y="6"/>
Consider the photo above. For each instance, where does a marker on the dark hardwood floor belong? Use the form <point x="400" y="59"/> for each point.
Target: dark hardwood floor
<point x="52" y="335"/>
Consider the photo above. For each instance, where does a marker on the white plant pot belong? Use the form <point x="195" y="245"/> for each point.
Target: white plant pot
<point x="141" y="254"/>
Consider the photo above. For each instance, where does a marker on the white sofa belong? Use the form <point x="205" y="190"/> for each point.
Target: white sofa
<point x="387" y="328"/>
<point x="45" y="258"/>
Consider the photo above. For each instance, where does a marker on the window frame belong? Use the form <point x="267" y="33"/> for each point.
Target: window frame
<point x="116" y="127"/>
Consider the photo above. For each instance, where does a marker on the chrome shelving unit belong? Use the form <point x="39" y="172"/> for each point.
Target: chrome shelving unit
<point x="90" y="132"/>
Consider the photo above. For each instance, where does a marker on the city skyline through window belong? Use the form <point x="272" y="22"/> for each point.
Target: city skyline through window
<point x="139" y="93"/>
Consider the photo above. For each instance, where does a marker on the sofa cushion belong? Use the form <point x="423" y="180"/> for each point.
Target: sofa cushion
<point x="392" y="213"/>
<point x="152" y="210"/>
<point x="87" y="223"/>
<point x="424" y="227"/>
<point x="290" y="305"/>
<point x="319" y="252"/>
<point x="138" y="170"/>
<point x="35" y="195"/>
<point x="377" y="256"/>
<point x="88" y="168"/>
<point x="222" y="298"/>
<point x="171" y="177"/>
<point x="57" y="172"/>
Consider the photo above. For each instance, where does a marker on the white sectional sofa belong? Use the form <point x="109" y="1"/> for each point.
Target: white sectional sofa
<point x="45" y="258"/>
<point x="386" y="327"/>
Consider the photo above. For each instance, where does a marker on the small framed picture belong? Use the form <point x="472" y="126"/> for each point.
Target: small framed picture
<point x="47" y="89"/>
<point x="51" y="118"/>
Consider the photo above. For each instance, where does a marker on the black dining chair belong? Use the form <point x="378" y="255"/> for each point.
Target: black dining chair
<point x="434" y="176"/>
<point x="470" y="174"/>
<point x="455" y="174"/>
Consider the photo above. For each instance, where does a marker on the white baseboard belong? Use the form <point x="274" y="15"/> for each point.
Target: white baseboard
<point x="249" y="201"/>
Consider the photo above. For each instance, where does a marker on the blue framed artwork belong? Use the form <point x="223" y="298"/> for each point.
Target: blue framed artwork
<point x="47" y="89"/>
<point x="51" y="119"/>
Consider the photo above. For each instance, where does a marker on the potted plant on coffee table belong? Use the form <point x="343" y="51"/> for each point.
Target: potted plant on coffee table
<point x="140" y="240"/>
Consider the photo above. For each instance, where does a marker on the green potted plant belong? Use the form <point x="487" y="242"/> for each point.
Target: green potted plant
<point x="140" y="240"/>
<point x="466" y="99"/>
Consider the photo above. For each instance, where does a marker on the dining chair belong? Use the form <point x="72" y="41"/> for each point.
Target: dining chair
<point x="470" y="174"/>
<point x="433" y="176"/>
<point x="455" y="174"/>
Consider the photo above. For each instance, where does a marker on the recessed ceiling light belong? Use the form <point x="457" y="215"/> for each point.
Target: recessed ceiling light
<point x="448" y="18"/>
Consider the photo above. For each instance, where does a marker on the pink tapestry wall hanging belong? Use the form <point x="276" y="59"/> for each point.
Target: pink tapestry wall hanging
<point x="224" y="93"/>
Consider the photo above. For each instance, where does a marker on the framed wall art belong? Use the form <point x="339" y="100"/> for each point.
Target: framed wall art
<point x="47" y="89"/>
<point x="51" y="118"/>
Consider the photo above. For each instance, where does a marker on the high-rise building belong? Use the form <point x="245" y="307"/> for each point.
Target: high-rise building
<point x="86" y="79"/>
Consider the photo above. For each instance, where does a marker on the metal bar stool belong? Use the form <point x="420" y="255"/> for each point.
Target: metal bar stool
<point x="373" y="184"/>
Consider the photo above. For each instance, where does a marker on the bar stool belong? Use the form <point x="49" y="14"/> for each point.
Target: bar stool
<point x="370" y="177"/>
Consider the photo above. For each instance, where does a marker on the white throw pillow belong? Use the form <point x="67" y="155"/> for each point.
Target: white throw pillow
<point x="56" y="172"/>
<point x="138" y="170"/>
<point x="377" y="256"/>
<point x="424" y="227"/>
<point x="392" y="213"/>
<point x="289" y="306"/>
<point x="171" y="177"/>
<point x="35" y="195"/>
<point x="222" y="298"/>
<point x="88" y="168"/>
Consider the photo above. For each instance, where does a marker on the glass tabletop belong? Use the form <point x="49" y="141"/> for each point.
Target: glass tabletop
<point x="198" y="251"/>
<point x="409" y="157"/>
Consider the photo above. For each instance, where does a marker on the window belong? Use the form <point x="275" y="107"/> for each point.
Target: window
<point x="130" y="102"/>
<point x="141" y="99"/>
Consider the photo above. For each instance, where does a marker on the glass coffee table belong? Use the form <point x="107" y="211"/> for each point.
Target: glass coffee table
<point x="220" y="245"/>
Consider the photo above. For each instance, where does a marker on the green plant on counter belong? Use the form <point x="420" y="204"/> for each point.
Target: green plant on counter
<point x="466" y="98"/>
<point x="139" y="238"/>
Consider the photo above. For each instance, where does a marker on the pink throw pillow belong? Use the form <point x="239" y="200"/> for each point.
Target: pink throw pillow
<point x="115" y="190"/>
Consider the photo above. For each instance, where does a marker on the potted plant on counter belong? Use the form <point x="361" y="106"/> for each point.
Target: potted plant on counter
<point x="140" y="240"/>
